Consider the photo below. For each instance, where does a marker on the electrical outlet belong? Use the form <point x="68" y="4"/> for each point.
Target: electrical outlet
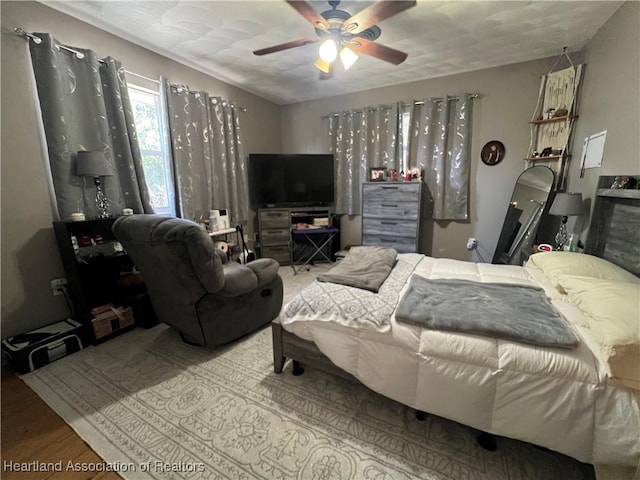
<point x="472" y="243"/>
<point x="58" y="285"/>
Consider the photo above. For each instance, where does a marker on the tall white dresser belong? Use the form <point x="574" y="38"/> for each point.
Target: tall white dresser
<point x="391" y="215"/>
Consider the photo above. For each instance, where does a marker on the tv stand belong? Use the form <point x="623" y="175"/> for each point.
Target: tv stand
<point x="274" y="229"/>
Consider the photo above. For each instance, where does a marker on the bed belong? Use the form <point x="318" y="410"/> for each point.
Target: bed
<point x="582" y="401"/>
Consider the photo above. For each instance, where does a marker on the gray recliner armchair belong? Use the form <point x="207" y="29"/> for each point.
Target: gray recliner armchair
<point x="191" y="285"/>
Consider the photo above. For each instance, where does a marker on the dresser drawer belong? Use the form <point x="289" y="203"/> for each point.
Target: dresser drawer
<point x="401" y="244"/>
<point x="282" y="254"/>
<point x="392" y="210"/>
<point x="275" y="237"/>
<point x="390" y="227"/>
<point x="390" y="192"/>
<point x="275" y="219"/>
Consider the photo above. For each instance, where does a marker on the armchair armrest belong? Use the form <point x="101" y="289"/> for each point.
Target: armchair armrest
<point x="238" y="280"/>
<point x="266" y="269"/>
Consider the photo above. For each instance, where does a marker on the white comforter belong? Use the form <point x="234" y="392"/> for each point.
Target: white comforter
<point x="560" y="399"/>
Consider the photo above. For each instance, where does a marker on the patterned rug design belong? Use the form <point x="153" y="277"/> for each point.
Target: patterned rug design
<point x="155" y="407"/>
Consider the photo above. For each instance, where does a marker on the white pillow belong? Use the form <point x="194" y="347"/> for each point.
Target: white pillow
<point x="612" y="310"/>
<point x="554" y="264"/>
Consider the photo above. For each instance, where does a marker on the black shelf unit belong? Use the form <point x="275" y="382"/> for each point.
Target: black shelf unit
<point x="99" y="273"/>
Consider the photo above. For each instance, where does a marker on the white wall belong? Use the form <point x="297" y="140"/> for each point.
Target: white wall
<point x="609" y="101"/>
<point x="30" y="256"/>
<point x="508" y="97"/>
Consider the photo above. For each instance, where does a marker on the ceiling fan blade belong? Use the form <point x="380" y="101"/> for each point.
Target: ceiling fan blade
<point x="374" y="49"/>
<point x="308" y="12"/>
<point x="286" y="46"/>
<point x="375" y="14"/>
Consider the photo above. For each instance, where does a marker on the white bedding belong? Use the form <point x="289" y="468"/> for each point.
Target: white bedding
<point x="556" y="398"/>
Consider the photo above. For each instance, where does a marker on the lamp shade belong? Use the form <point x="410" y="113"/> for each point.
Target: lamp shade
<point x="328" y="51"/>
<point x="348" y="57"/>
<point x="92" y="164"/>
<point x="566" y="204"/>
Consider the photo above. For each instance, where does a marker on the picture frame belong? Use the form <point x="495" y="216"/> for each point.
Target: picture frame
<point x="378" y="174"/>
<point x="492" y="153"/>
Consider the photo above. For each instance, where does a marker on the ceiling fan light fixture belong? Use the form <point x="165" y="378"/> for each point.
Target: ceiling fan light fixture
<point x="349" y="36"/>
<point x="348" y="57"/>
<point x="323" y="66"/>
<point x="328" y="50"/>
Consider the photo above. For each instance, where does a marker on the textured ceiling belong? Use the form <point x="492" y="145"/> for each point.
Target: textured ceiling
<point x="441" y="38"/>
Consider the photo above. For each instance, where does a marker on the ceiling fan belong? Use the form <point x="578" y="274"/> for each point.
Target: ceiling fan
<point x="346" y="35"/>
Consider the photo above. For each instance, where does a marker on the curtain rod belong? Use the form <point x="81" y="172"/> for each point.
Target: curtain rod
<point x="420" y="102"/>
<point x="387" y="107"/>
<point x="359" y="110"/>
<point x="37" y="40"/>
<point x="142" y="76"/>
<point x="21" y="33"/>
<point x="180" y="88"/>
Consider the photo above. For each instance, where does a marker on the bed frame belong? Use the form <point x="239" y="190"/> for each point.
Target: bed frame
<point x="614" y="235"/>
<point x="287" y="345"/>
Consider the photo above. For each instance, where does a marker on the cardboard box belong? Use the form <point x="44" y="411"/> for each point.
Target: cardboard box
<point x="111" y="320"/>
<point x="102" y="308"/>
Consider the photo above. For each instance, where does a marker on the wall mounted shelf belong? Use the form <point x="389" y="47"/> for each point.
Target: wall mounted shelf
<point x="558" y="92"/>
<point x="545" y="158"/>
<point x="553" y="120"/>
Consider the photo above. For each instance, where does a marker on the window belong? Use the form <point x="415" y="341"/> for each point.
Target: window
<point x="147" y="112"/>
<point x="405" y="118"/>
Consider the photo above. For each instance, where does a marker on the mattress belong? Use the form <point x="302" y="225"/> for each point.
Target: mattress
<point x="556" y="398"/>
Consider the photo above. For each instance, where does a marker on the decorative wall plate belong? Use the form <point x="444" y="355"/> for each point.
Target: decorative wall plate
<point x="492" y="153"/>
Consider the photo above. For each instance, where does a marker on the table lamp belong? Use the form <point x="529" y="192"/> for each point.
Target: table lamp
<point x="565" y="205"/>
<point x="95" y="165"/>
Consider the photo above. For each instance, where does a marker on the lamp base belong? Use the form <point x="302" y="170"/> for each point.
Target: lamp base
<point x="561" y="236"/>
<point x="102" y="203"/>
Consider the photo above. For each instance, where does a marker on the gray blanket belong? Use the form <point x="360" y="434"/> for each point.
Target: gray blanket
<point x="352" y="307"/>
<point x="362" y="267"/>
<point x="513" y="312"/>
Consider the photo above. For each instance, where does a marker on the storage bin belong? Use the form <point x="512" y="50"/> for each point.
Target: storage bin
<point x="29" y="351"/>
<point x="110" y="319"/>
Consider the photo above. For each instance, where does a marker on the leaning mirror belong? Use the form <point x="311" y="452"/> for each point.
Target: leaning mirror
<point x="527" y="204"/>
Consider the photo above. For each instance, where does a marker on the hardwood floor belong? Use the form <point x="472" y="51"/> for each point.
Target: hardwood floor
<point x="32" y="432"/>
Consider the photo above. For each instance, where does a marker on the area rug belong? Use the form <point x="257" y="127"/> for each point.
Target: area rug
<point x="154" y="407"/>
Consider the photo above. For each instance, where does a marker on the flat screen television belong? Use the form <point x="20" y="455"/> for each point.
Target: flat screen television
<point x="285" y="180"/>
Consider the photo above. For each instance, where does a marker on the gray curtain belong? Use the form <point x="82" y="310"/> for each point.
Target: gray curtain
<point x="210" y="170"/>
<point x="85" y="106"/>
<point x="359" y="140"/>
<point x="439" y="143"/>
